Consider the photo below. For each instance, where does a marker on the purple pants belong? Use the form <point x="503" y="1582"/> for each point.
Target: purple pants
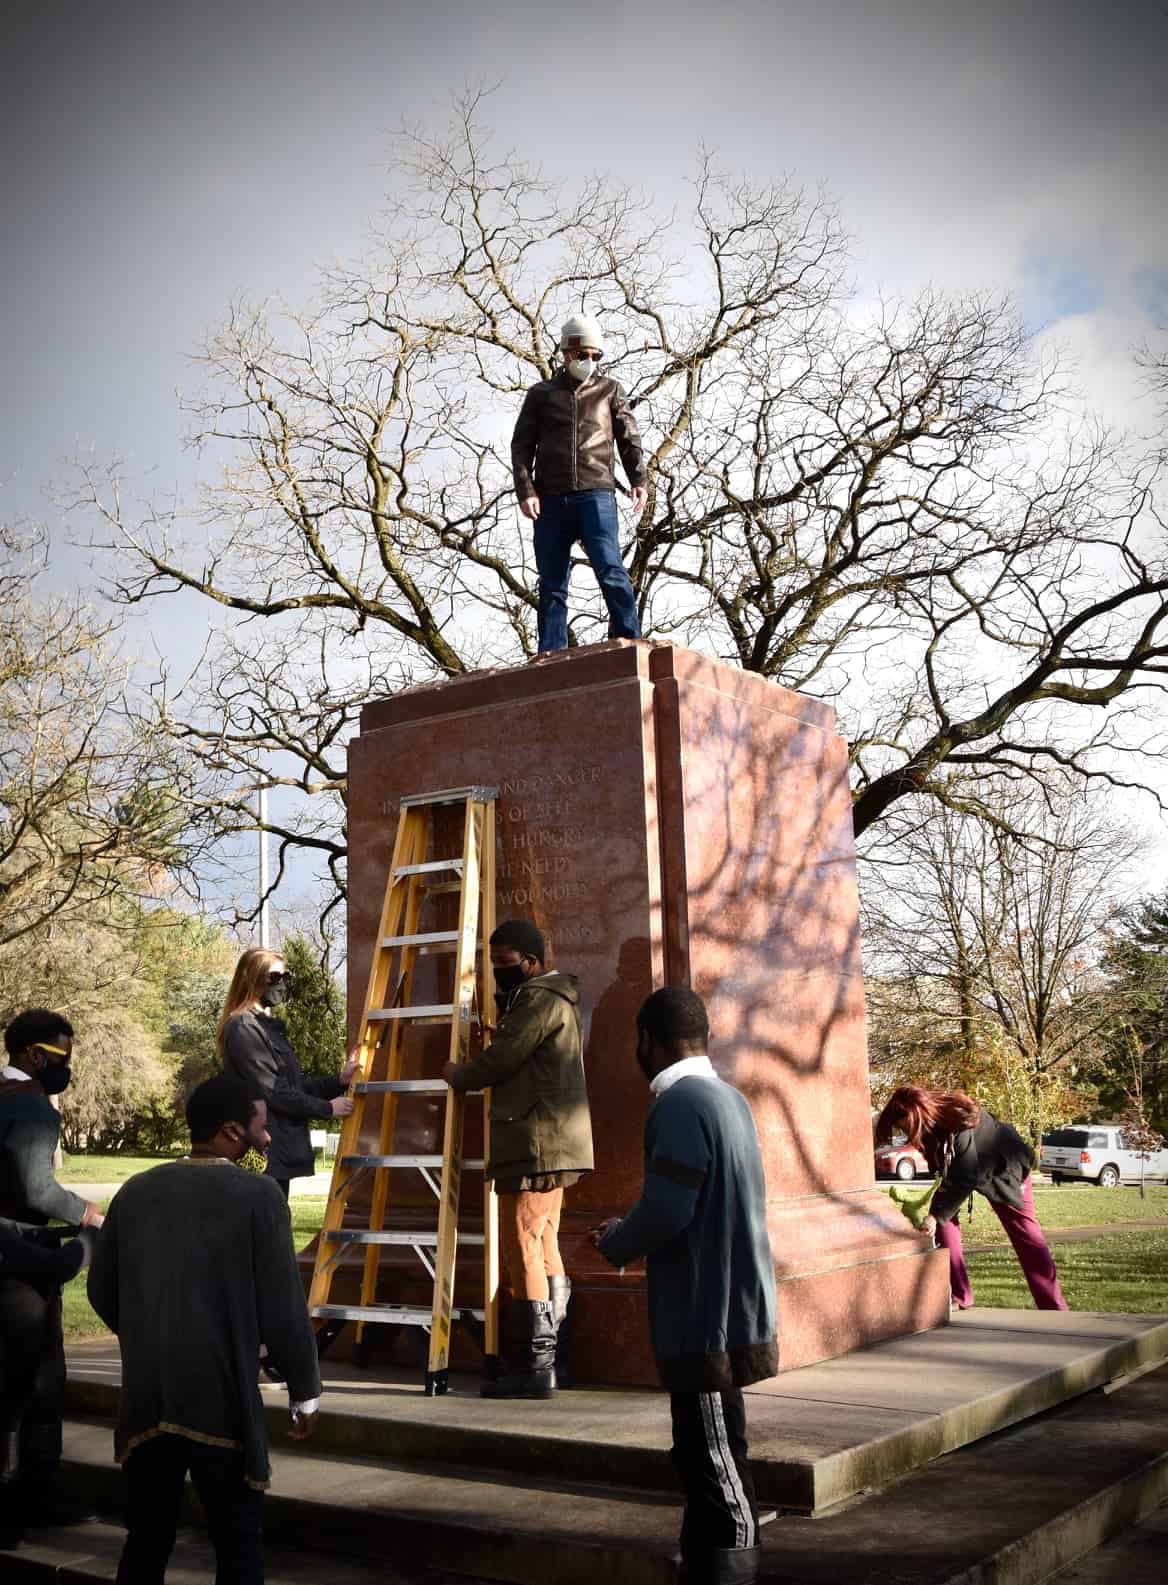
<point x="1031" y="1248"/>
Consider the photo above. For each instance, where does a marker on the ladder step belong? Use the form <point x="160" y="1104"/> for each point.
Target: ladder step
<point x="433" y="1162"/>
<point x="383" y="1314"/>
<point x="406" y="1087"/>
<point x="428" y="1239"/>
<point x="450" y="795"/>
<point x="437" y="1010"/>
<point x="431" y="867"/>
<point x="428" y="938"/>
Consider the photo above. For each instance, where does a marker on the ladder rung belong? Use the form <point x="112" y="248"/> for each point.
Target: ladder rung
<point x="431" y="867"/>
<point x="436" y="1010"/>
<point x="382" y="1314"/>
<point x="427" y="1238"/>
<point x="428" y="938"/>
<point x="437" y="888"/>
<point x="450" y="795"/>
<point x="433" y="1162"/>
<point x="406" y="1087"/>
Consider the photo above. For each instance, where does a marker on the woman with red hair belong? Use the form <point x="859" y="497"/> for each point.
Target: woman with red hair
<point x="971" y="1150"/>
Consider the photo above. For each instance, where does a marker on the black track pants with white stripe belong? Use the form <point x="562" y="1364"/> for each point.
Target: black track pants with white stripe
<point x="709" y="1455"/>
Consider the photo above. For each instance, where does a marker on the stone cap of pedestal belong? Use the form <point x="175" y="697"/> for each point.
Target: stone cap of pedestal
<point x="593" y="666"/>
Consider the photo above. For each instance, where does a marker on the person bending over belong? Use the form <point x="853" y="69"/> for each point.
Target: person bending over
<point x="973" y="1151"/>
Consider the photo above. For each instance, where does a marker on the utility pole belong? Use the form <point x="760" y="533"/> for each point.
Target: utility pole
<point x="265" y="879"/>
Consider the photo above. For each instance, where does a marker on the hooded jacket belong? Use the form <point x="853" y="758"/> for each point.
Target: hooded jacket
<point x="534" y="1069"/>
<point x="564" y="437"/>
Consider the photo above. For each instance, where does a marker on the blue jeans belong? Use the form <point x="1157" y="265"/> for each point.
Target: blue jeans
<point x="590" y="517"/>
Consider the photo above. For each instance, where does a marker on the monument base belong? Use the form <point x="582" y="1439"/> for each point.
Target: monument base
<point x="666" y="819"/>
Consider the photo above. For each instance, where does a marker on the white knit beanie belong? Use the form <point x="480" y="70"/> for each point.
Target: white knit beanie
<point x="585" y="330"/>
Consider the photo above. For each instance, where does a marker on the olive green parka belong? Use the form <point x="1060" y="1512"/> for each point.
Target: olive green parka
<point x="534" y="1069"/>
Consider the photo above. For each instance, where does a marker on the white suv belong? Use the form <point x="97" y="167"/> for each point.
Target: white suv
<point x="1092" y="1153"/>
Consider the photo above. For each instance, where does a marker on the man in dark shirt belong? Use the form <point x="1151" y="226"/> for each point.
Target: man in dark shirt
<point x="39" y="1046"/>
<point x="701" y="1223"/>
<point x="195" y="1271"/>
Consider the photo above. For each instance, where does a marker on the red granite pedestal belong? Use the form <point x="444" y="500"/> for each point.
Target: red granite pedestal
<point x="668" y="819"/>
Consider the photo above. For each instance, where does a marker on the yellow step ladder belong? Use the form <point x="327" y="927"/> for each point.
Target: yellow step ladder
<point x="414" y="876"/>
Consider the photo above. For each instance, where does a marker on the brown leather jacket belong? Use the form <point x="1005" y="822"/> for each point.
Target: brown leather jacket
<point x="564" y="437"/>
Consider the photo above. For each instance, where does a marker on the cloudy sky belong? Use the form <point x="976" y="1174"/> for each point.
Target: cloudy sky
<point x="160" y="159"/>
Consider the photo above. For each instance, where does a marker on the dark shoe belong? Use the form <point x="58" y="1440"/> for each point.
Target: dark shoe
<point x="48" y="1507"/>
<point x="560" y="1298"/>
<point x="11" y="1516"/>
<point x="723" y="1566"/>
<point x="44" y="1499"/>
<point x="531" y="1353"/>
<point x="735" y="1565"/>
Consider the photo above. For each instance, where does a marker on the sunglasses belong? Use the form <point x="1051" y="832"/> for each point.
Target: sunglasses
<point x="52" y="1051"/>
<point x="591" y="357"/>
<point x="283" y="977"/>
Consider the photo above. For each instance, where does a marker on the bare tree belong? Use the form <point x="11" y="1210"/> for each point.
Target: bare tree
<point x="1137" y="1133"/>
<point x="890" y="509"/>
<point x="84" y="815"/>
<point x="984" y="948"/>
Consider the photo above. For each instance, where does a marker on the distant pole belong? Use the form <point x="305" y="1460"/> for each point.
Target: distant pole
<point x="265" y="880"/>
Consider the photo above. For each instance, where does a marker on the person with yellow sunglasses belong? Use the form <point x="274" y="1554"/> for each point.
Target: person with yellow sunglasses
<point x="39" y="1047"/>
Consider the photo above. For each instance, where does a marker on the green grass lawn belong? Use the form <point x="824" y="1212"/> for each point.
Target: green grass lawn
<point x="116" y="1169"/>
<point x="1119" y="1271"/>
<point x="1084" y="1205"/>
<point x="107" y="1169"/>
<point x="79" y="1318"/>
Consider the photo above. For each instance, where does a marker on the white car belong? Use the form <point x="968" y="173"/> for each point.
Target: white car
<point x="1092" y="1153"/>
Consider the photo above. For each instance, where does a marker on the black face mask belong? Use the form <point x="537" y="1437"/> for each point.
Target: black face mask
<point x="510" y="977"/>
<point x="54" y="1077"/>
<point x="276" y="995"/>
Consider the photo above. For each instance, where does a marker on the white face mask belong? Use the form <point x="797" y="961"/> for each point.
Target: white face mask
<point x="581" y="369"/>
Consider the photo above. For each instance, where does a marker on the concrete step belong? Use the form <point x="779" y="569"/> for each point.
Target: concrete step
<point x="1136" y="1556"/>
<point x="469" y="1520"/>
<point x="1008" y="1510"/>
<point x="818" y="1436"/>
<point x="88" y="1555"/>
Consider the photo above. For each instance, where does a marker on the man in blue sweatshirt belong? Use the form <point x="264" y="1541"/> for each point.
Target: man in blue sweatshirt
<point x="701" y="1224"/>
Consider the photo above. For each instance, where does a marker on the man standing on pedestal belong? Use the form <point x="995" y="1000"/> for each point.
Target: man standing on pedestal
<point x="562" y="457"/>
